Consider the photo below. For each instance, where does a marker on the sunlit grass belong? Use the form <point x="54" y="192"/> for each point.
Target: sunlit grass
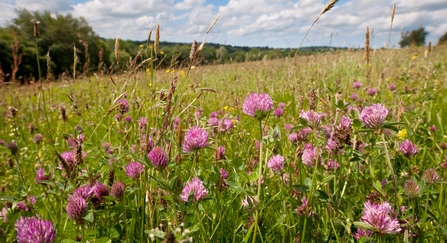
<point x="152" y="210"/>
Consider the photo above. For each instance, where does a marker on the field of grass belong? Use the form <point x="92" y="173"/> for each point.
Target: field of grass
<point x="323" y="170"/>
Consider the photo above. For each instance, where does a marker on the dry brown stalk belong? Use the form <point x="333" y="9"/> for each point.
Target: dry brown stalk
<point x="201" y="46"/>
<point x="64" y="163"/>
<point x="211" y="26"/>
<point x="63" y="113"/>
<point x="393" y="12"/>
<point x="312" y="99"/>
<point x="157" y="39"/>
<point x="427" y="52"/>
<point x="367" y="52"/>
<point x="168" y="108"/>
<point x="78" y="155"/>
<point x="149" y="39"/>
<point x="117" y="49"/>
<point x="326" y="8"/>
<point x="35" y="27"/>
<point x="192" y="53"/>
<point x="49" y="73"/>
<point x="134" y="61"/>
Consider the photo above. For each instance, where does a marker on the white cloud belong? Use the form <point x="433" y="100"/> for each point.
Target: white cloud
<point x="7" y="13"/>
<point x="189" y="4"/>
<point x="50" y="5"/>
<point x="279" y="23"/>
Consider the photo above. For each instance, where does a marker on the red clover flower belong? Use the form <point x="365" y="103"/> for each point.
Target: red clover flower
<point x="196" y="187"/>
<point x="255" y="102"/>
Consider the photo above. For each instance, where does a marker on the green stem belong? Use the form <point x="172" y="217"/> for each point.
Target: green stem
<point x="141" y="206"/>
<point x="41" y="91"/>
<point x="125" y="219"/>
<point x="390" y="166"/>
<point x="259" y="181"/>
<point x="311" y="193"/>
<point x="426" y="202"/>
<point x="19" y="171"/>
<point x="38" y="63"/>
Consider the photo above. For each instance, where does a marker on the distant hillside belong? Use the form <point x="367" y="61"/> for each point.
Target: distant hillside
<point x="213" y="53"/>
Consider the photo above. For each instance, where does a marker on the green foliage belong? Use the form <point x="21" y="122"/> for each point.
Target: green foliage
<point x="60" y="34"/>
<point x="57" y="34"/>
<point x="151" y="207"/>
<point x="443" y="39"/>
<point x="413" y="38"/>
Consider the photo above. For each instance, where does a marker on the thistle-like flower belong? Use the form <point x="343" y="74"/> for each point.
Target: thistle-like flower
<point x="118" y="189"/>
<point x="123" y="105"/>
<point x="158" y="158"/>
<point x="195" y="138"/>
<point x="142" y="123"/>
<point x="430" y="176"/>
<point x="84" y="191"/>
<point x="223" y="174"/>
<point x="373" y="116"/>
<point x="12" y="146"/>
<point x="226" y="125"/>
<point x="76" y="208"/>
<point x="220" y="153"/>
<point x="40" y="176"/>
<point x="276" y="163"/>
<point x="407" y="148"/>
<point x="134" y="169"/>
<point x="98" y="191"/>
<point x="357" y="85"/>
<point x="255" y="103"/>
<point x="411" y="188"/>
<point x="362" y="233"/>
<point x="34" y="230"/>
<point x="309" y="156"/>
<point x="278" y="112"/>
<point x="194" y="186"/>
<point x="332" y="165"/>
<point x="38" y="138"/>
<point x="213" y="122"/>
<point x="313" y="118"/>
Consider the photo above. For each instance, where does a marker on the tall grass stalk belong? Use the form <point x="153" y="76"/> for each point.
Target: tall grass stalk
<point x="329" y="5"/>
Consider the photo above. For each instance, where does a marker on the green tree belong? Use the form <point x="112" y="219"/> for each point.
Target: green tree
<point x="443" y="39"/>
<point x="413" y="38"/>
<point x="59" y="34"/>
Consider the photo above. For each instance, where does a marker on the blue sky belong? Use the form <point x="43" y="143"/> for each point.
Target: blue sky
<point x="274" y="23"/>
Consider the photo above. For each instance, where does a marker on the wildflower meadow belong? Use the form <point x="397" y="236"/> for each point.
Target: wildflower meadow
<point x="329" y="147"/>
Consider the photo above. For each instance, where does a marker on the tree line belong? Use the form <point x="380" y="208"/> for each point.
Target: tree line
<point x="54" y="46"/>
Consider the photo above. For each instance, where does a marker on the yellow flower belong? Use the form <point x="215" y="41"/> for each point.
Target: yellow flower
<point x="141" y="46"/>
<point x="231" y="108"/>
<point x="192" y="67"/>
<point x="414" y="57"/>
<point x="161" y="53"/>
<point x="150" y="84"/>
<point x="182" y="73"/>
<point x="172" y="71"/>
<point x="167" y="70"/>
<point x="225" y="107"/>
<point x="402" y="134"/>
